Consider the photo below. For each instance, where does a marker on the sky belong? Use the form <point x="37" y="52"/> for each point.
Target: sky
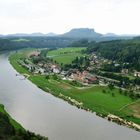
<point x="59" y="16"/>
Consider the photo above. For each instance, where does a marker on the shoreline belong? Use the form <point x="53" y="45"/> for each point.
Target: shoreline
<point x="15" y="129"/>
<point x="79" y="105"/>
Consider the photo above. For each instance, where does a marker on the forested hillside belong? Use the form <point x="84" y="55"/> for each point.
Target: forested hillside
<point x="33" y="42"/>
<point x="39" y="40"/>
<point x="124" y="51"/>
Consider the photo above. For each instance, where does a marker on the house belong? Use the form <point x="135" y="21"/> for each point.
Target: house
<point x="84" y="77"/>
<point x="56" y="70"/>
<point x="116" y="65"/>
<point x="78" y="75"/>
<point x="40" y="64"/>
<point x="29" y="67"/>
<point x="34" y="54"/>
<point x="91" y="80"/>
<point x="106" y="80"/>
<point x="64" y="73"/>
<point x="137" y="74"/>
<point x="41" y="71"/>
<point x="124" y="71"/>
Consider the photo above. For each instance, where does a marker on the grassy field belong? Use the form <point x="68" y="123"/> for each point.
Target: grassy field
<point x="93" y="98"/>
<point x="21" y="40"/>
<point x="65" y="55"/>
<point x="16" y="57"/>
<point x="133" y="111"/>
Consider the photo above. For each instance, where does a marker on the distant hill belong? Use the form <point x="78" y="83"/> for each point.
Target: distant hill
<point x="37" y="34"/>
<point x="110" y="34"/>
<point x="137" y="38"/>
<point x="25" y="35"/>
<point x="16" y="35"/>
<point x="14" y="42"/>
<point x="82" y="33"/>
<point x="51" y="34"/>
<point x="75" y="34"/>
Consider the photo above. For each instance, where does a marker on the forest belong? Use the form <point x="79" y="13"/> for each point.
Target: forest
<point x="14" y="43"/>
<point x="121" y="51"/>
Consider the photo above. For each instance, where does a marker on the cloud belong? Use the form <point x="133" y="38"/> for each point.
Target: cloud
<point x="119" y="16"/>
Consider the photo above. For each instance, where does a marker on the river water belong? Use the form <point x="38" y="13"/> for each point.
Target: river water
<point x="47" y="115"/>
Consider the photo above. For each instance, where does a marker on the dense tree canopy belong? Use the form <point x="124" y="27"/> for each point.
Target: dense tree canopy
<point x="122" y="51"/>
<point x="14" y="43"/>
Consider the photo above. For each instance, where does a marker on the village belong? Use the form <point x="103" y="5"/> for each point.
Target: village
<point x="89" y="76"/>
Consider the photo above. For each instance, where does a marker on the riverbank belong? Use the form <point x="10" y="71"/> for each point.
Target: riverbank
<point x="92" y="99"/>
<point x="12" y="130"/>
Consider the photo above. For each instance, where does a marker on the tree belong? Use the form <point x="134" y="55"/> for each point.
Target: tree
<point x="120" y="91"/>
<point x="125" y="92"/>
<point x="104" y="91"/>
<point x="55" y="77"/>
<point x="113" y="94"/>
<point x="111" y="86"/>
<point x="47" y="77"/>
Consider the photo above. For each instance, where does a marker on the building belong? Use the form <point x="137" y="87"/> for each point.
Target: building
<point x="137" y="74"/>
<point x="91" y="80"/>
<point x="55" y="69"/>
<point x="124" y="71"/>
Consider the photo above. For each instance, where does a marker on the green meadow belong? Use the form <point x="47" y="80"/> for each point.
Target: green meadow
<point x="65" y="55"/>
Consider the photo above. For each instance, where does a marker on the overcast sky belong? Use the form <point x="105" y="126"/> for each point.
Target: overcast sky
<point x="27" y="16"/>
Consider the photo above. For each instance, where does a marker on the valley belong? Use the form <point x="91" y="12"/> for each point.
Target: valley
<point x="100" y="94"/>
<point x="69" y="70"/>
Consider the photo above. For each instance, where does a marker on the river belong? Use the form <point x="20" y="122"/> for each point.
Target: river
<point x="47" y="115"/>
